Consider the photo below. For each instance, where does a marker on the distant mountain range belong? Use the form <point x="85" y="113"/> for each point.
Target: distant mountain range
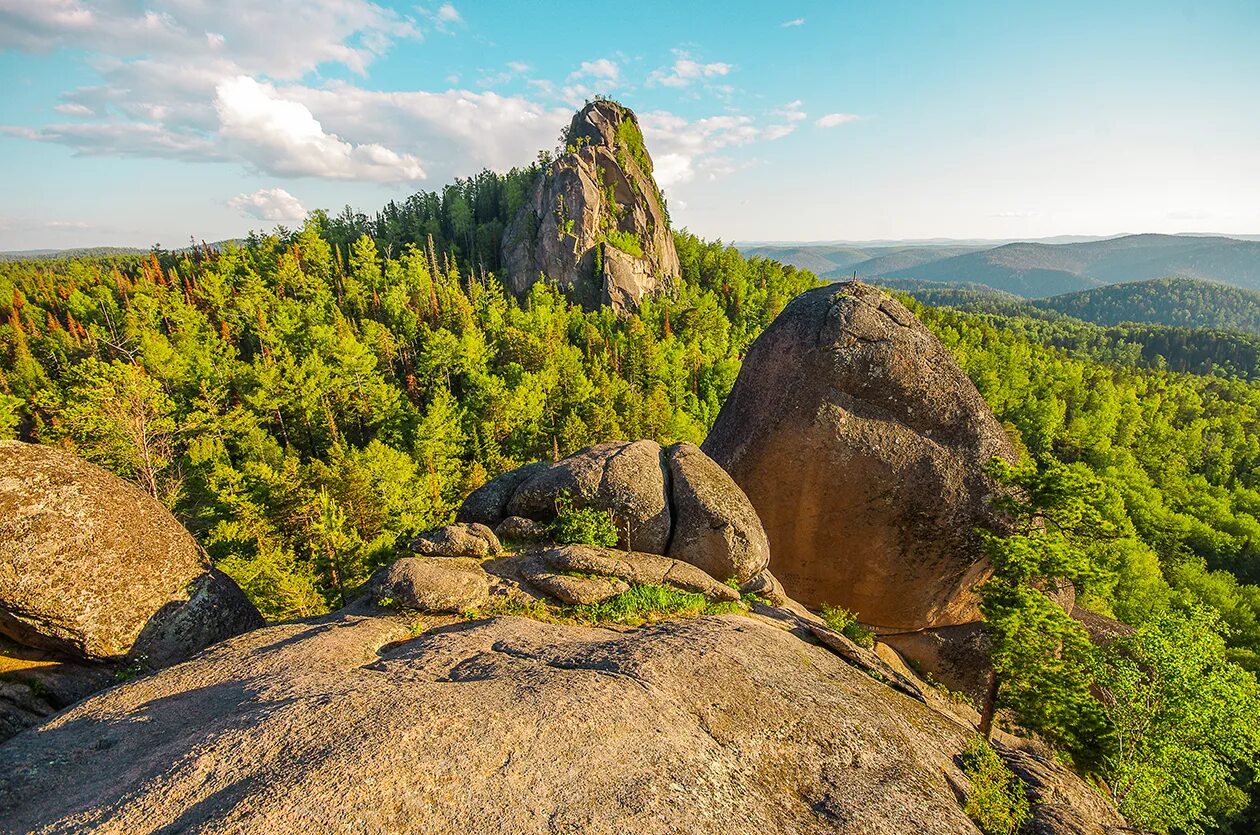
<point x="1176" y="302"/>
<point x="82" y="252"/>
<point x="1036" y="269"/>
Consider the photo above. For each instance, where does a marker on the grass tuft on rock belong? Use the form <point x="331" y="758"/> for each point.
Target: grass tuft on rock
<point x="845" y="622"/>
<point x="641" y="604"/>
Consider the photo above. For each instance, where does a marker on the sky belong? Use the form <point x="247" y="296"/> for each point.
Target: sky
<point x="135" y="122"/>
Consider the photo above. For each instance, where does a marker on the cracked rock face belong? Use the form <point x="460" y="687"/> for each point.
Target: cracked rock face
<point x="861" y="444"/>
<point x="599" y="191"/>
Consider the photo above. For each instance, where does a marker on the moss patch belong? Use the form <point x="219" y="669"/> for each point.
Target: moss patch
<point x="641" y="604"/>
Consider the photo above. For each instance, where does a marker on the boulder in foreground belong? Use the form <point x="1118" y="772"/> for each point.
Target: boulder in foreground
<point x="710" y="725"/>
<point x="92" y="567"/>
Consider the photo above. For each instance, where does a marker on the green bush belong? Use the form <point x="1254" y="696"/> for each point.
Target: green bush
<point x="845" y="622"/>
<point x="630" y="138"/>
<point x="996" y="802"/>
<point x="626" y="242"/>
<point x="583" y="525"/>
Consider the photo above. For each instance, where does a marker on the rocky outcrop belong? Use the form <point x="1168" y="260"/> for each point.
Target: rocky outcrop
<point x="463" y="539"/>
<point x="715" y="527"/>
<point x="432" y="585"/>
<point x="625" y="478"/>
<point x="595" y="221"/>
<point x="503" y="725"/>
<point x="674" y="502"/>
<point x="637" y="569"/>
<point x="518" y="529"/>
<point x="578" y="591"/>
<point x="862" y="446"/>
<point x="488" y="504"/>
<point x="95" y="576"/>
<point x="92" y="567"/>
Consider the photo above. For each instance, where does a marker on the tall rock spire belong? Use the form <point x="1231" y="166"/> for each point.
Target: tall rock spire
<point x="595" y="220"/>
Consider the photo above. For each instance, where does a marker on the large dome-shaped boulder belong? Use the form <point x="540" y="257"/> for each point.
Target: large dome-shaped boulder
<point x="594" y="221"/>
<point x="863" y="445"/>
<point x="92" y="567"/>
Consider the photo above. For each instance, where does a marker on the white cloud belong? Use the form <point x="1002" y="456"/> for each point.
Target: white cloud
<point x="461" y="131"/>
<point x="232" y="82"/>
<point x="124" y="139"/>
<point x="796" y="21"/>
<point x="283" y="137"/>
<point x="685" y="71"/>
<point x="603" y="68"/>
<point x="791" y="111"/>
<point x="683" y="150"/>
<point x="187" y="32"/>
<point x="443" y="18"/>
<point x="832" y="120"/>
<point x="269" y="204"/>
<point x="788" y="115"/>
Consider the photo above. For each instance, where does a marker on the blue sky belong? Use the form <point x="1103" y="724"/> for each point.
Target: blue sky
<point x="131" y="122"/>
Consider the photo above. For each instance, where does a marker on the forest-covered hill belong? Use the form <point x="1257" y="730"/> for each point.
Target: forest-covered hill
<point x="306" y="406"/>
<point x="1038" y="269"/>
<point x="1199" y="349"/>
<point x="1183" y="302"/>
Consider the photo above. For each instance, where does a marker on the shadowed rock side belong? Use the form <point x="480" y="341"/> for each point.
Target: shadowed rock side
<point x="861" y="444"/>
<point x="501" y="726"/>
<point x="95" y="573"/>
<point x="595" y="220"/>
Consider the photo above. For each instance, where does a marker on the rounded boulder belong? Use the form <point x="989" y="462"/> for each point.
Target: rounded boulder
<point x="93" y="567"/>
<point x="626" y="478"/>
<point x="715" y="526"/>
<point x="862" y="445"/>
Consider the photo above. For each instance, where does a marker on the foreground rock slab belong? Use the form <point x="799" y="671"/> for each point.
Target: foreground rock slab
<point x="863" y="446"/>
<point x="498" y="726"/>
